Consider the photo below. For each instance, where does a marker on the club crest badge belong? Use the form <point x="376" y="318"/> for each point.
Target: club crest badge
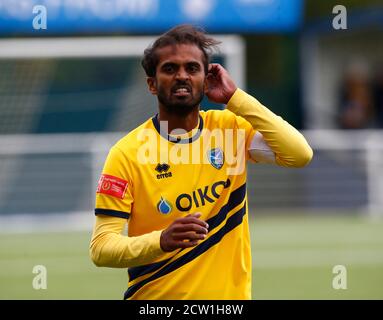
<point x="216" y="158"/>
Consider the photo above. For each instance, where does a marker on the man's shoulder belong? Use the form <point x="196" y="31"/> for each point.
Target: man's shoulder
<point x="219" y="118"/>
<point x="131" y="141"/>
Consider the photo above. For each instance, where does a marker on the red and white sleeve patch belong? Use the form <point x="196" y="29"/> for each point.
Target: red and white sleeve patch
<point x="112" y="186"/>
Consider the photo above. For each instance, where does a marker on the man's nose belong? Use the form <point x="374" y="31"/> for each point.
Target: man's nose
<point x="182" y="74"/>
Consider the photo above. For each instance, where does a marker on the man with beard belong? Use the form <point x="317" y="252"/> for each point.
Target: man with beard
<point x="177" y="179"/>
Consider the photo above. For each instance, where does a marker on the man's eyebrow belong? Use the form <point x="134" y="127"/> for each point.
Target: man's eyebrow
<point x="175" y="63"/>
<point x="168" y="63"/>
<point x="193" y="63"/>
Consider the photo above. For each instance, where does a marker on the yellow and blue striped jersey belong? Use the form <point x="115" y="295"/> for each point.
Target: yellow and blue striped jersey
<point x="156" y="193"/>
<point x="151" y="178"/>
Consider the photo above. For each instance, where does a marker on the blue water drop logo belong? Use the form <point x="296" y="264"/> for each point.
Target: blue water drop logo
<point x="164" y="206"/>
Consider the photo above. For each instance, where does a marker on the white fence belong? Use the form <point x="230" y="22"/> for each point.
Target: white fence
<point x="54" y="177"/>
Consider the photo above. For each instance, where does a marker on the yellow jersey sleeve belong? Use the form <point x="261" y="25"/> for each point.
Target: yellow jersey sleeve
<point x="114" y="199"/>
<point x="110" y="248"/>
<point x="243" y="124"/>
<point x="290" y="147"/>
<point x="114" y="196"/>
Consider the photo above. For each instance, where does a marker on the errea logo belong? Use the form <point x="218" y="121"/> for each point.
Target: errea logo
<point x="162" y="169"/>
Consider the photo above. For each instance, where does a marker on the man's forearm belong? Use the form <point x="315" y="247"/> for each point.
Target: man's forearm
<point x="109" y="248"/>
<point x="290" y="147"/>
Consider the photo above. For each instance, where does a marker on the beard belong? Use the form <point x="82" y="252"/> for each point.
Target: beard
<point x="180" y="106"/>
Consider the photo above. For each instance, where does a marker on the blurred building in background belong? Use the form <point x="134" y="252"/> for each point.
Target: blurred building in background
<point x="69" y="91"/>
<point x="340" y="68"/>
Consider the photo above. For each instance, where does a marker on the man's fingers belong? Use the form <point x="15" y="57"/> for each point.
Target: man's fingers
<point x="190" y="235"/>
<point x="190" y="227"/>
<point x="187" y="244"/>
<point x="191" y="220"/>
<point x="215" y="69"/>
<point x="184" y="232"/>
<point x="213" y="66"/>
<point x="196" y="215"/>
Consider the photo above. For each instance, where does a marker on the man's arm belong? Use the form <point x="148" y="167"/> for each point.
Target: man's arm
<point x="289" y="147"/>
<point x="110" y="248"/>
<point x="288" y="144"/>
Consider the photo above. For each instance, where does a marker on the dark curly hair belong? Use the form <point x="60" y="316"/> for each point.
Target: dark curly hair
<point x="182" y="34"/>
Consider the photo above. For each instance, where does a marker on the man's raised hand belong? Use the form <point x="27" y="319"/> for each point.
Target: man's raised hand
<point x="219" y="85"/>
<point x="183" y="233"/>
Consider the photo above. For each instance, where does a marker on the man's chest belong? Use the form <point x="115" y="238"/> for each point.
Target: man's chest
<point x="177" y="189"/>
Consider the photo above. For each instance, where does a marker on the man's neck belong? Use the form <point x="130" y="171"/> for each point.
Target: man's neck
<point x="187" y="123"/>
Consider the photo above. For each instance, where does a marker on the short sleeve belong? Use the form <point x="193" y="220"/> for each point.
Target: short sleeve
<point x="114" y="195"/>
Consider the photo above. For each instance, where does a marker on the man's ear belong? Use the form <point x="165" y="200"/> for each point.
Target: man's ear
<point x="205" y="85"/>
<point x="152" y="85"/>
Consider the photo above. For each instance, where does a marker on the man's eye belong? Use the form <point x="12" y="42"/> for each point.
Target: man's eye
<point x="168" y="69"/>
<point x="193" y="69"/>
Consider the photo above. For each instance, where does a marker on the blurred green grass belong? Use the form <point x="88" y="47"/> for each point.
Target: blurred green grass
<point x="293" y="258"/>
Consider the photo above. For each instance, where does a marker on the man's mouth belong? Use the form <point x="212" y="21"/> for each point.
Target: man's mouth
<point x="181" y="91"/>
